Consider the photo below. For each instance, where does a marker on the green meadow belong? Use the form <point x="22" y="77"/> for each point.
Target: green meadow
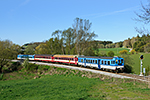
<point x="137" y="63"/>
<point x="62" y="87"/>
<point x="54" y="83"/>
<point x="115" y="50"/>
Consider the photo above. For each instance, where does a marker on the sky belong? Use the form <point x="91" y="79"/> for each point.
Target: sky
<point x="25" y="21"/>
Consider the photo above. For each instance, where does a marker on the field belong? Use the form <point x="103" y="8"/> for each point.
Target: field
<point x="115" y="50"/>
<point x="72" y="87"/>
<point x="137" y="63"/>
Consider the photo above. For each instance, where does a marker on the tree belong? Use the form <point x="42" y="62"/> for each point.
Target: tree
<point x="69" y="37"/>
<point x="100" y="46"/>
<point x="8" y="51"/>
<point x="30" y="49"/>
<point x="144" y="17"/>
<point x="42" y="49"/>
<point x="83" y="35"/>
<point x="127" y="43"/>
<point x="147" y="48"/>
<point x="133" y="40"/>
<point x="89" y="52"/>
<point x="59" y="36"/>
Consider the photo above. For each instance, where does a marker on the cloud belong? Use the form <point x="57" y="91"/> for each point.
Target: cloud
<point x="97" y="15"/>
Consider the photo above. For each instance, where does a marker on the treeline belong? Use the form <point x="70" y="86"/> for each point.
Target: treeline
<point x="139" y="44"/>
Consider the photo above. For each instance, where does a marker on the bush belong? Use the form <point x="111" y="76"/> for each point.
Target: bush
<point x="25" y="63"/>
<point x="128" y="62"/>
<point x="123" y="52"/>
<point x="1" y="77"/>
<point x="133" y="51"/>
<point x="128" y="69"/>
<point x="31" y="67"/>
<point x="110" y="53"/>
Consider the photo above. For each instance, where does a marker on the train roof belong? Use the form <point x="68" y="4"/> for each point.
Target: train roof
<point x="66" y="56"/>
<point x="98" y="57"/>
<point x="42" y="55"/>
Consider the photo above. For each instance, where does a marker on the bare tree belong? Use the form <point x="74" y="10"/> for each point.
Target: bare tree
<point x="144" y="17"/>
<point x="83" y="34"/>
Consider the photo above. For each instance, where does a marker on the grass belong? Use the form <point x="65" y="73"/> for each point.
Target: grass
<point x="56" y="87"/>
<point x="66" y="84"/>
<point x="115" y="50"/>
<point x="137" y="63"/>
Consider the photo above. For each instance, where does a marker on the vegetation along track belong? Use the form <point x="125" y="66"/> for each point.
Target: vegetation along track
<point x="93" y="70"/>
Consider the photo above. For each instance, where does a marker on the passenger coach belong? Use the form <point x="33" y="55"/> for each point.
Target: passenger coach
<point x="111" y="63"/>
<point x="23" y="57"/>
<point x="40" y="57"/>
<point x="69" y="59"/>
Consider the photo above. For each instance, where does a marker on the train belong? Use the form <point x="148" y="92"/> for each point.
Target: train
<point x="104" y="63"/>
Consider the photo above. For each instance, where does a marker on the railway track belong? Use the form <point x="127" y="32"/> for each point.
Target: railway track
<point x="93" y="70"/>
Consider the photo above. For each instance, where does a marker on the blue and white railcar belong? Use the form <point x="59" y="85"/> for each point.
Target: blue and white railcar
<point x="111" y="63"/>
<point x="89" y="61"/>
<point x="23" y="57"/>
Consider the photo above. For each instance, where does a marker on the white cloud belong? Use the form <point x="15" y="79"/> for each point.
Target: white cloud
<point x="97" y="15"/>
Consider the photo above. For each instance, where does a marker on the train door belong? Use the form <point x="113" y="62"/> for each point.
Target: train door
<point x="99" y="64"/>
<point x="84" y="62"/>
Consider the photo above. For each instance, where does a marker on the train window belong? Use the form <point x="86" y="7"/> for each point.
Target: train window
<point x="102" y="61"/>
<point x="118" y="61"/>
<point x="93" y="61"/>
<point x="121" y="60"/>
<point x="105" y="62"/>
<point x="96" y="61"/>
<point x="108" y="62"/>
<point x="81" y="60"/>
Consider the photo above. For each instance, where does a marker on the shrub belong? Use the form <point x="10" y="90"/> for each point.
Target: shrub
<point x="110" y="53"/>
<point x="133" y="51"/>
<point x="1" y="77"/>
<point x="123" y="52"/>
<point x="128" y="69"/>
<point x="25" y="63"/>
<point x="31" y="67"/>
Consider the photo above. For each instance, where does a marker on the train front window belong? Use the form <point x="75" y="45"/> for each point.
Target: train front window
<point x="121" y="60"/>
<point x="112" y="62"/>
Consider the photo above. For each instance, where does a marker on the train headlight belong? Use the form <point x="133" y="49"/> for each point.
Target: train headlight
<point x="116" y="61"/>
